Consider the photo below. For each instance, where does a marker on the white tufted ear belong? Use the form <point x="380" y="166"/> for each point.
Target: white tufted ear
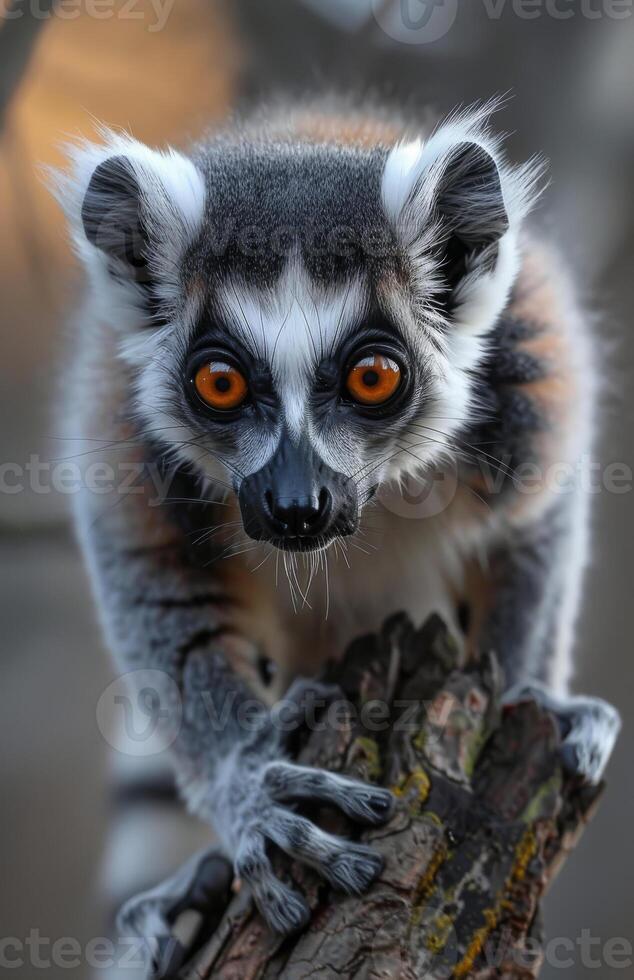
<point x="133" y="211"/>
<point x="457" y="207"/>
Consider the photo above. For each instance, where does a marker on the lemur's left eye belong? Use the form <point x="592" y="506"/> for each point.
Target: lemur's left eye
<point x="373" y="379"/>
<point x="220" y="385"/>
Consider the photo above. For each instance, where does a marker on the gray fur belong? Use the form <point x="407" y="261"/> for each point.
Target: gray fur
<point x="529" y="570"/>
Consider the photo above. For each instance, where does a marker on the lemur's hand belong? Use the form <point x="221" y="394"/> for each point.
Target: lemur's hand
<point x="262" y="799"/>
<point x="589" y="727"/>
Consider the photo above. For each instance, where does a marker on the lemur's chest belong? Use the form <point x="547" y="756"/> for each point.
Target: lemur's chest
<point x="310" y="609"/>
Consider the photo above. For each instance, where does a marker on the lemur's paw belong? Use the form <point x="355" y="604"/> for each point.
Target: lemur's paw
<point x="172" y="917"/>
<point x="594" y="726"/>
<point x="348" y="866"/>
<point x="589" y="726"/>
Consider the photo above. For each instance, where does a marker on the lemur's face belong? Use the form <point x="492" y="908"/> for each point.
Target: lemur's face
<point x="302" y="321"/>
<point x="304" y="390"/>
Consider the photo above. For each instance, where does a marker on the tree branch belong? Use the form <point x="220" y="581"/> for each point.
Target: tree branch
<point x="485" y="817"/>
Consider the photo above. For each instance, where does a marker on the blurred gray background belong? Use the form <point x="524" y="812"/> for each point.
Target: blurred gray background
<point x="569" y="68"/>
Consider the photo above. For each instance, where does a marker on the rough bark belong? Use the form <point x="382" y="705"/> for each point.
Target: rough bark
<point x="485" y="817"/>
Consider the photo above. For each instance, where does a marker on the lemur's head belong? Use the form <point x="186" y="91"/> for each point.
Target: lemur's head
<point x="301" y="320"/>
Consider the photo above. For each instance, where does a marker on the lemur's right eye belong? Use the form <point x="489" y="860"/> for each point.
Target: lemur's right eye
<point x="220" y="385"/>
<point x="373" y="379"/>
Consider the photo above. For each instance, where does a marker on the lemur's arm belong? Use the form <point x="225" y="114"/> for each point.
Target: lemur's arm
<point x="535" y="576"/>
<point x="526" y="480"/>
<point x="165" y="611"/>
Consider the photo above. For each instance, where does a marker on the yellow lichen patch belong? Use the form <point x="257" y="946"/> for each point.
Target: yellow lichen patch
<point x="472" y="754"/>
<point x="538" y="805"/>
<point x="426" y="885"/>
<point x="525" y="851"/>
<point x="437" y="940"/>
<point x="465" y="966"/>
<point x="419" y="740"/>
<point x="414" y="788"/>
<point x="433" y="818"/>
<point x="524" y="854"/>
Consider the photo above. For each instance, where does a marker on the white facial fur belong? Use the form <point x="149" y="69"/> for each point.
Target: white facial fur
<point x="292" y="325"/>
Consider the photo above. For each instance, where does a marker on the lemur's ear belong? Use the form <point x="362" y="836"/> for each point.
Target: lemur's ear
<point x="133" y="212"/>
<point x="469" y="200"/>
<point x="457" y="207"/>
<point x="112" y="216"/>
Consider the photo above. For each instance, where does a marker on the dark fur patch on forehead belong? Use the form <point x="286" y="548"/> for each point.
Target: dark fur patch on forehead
<point x="266" y="201"/>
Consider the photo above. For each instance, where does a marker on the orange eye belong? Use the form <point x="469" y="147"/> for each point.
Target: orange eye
<point x="220" y="385"/>
<point x="374" y="379"/>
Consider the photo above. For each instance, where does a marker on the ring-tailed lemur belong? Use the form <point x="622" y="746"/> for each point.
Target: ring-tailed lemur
<point x="297" y="313"/>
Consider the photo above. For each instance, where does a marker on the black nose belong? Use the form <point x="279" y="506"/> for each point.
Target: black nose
<point x="300" y="517"/>
<point x="296" y="501"/>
